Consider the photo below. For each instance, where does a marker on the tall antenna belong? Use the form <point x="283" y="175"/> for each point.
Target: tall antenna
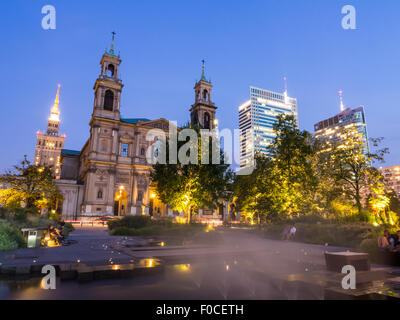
<point x="341" y="100"/>
<point x="285" y="80"/>
<point x="285" y="94"/>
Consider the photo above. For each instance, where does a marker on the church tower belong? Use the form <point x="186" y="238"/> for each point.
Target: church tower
<point x="49" y="144"/>
<point x="108" y="86"/>
<point x="202" y="112"/>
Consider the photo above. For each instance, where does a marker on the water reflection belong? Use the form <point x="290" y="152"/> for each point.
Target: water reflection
<point x="235" y="278"/>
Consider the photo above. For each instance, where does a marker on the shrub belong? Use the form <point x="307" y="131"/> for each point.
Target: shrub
<point x="10" y="236"/>
<point x="370" y="246"/>
<point x="123" y="231"/>
<point x="7" y="243"/>
<point x="347" y="235"/>
<point x="134" y="222"/>
<point x="68" y="227"/>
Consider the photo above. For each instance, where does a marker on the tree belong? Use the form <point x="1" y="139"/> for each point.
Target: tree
<point x="282" y="184"/>
<point x="292" y="154"/>
<point x="254" y="192"/>
<point x="30" y="186"/>
<point x="187" y="187"/>
<point x="351" y="164"/>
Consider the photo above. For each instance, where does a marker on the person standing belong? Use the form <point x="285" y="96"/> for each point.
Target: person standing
<point x="292" y="232"/>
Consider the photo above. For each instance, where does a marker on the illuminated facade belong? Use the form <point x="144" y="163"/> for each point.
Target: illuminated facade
<point x="329" y="129"/>
<point x="392" y="176"/>
<point x="256" y="120"/>
<point x="50" y="144"/>
<point x="110" y="175"/>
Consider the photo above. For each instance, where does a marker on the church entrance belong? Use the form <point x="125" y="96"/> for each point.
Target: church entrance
<point x="120" y="202"/>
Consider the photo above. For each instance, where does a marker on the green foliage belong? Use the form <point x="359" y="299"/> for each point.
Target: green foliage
<point x="370" y="246"/>
<point x="13" y="220"/>
<point x="307" y="176"/>
<point x="282" y="184"/>
<point x="10" y="236"/>
<point x="345" y="234"/>
<point x="189" y="186"/>
<point x="158" y="229"/>
<point x="134" y="222"/>
<point x="31" y="186"/>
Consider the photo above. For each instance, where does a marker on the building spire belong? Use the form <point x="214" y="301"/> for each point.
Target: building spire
<point x="341" y="100"/>
<point x="54" y="119"/>
<point x="57" y="100"/>
<point x="203" y="76"/>
<point x="111" y="51"/>
<point x="55" y="110"/>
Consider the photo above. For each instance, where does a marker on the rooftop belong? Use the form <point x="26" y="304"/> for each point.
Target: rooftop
<point x="134" y="120"/>
<point x="66" y="152"/>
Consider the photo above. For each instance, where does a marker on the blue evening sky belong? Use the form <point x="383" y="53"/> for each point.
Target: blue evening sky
<point x="162" y="44"/>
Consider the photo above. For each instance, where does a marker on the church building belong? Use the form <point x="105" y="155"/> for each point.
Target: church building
<point x="110" y="175"/>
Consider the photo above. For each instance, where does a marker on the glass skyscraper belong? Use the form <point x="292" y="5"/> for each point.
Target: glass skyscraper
<point x="256" y="119"/>
<point x="329" y="129"/>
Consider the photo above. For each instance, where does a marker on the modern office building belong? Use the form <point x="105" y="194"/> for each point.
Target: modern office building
<point x="50" y="143"/>
<point x="392" y="176"/>
<point x="330" y="129"/>
<point x="256" y="120"/>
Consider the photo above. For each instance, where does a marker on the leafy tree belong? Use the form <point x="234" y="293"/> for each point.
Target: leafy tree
<point x="352" y="165"/>
<point x="292" y="154"/>
<point x="254" y="193"/>
<point x="186" y="187"/>
<point x="30" y="186"/>
<point x="284" y="183"/>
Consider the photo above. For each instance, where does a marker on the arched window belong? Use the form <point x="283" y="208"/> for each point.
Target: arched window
<point x="140" y="196"/>
<point x="205" y="94"/>
<point x="206" y="121"/>
<point x="100" y="194"/>
<point x="142" y="152"/>
<point x="109" y="101"/>
<point x="110" y="70"/>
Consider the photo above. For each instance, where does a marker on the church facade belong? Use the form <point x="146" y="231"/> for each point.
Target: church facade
<point x="110" y="175"/>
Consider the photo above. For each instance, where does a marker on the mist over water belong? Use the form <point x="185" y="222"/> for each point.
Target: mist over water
<point x="247" y="267"/>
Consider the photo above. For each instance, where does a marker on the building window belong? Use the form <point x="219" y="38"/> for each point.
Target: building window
<point x="124" y="149"/>
<point x="206" y="121"/>
<point x="109" y="100"/>
<point x="142" y="151"/>
<point x="100" y="194"/>
<point x="140" y="196"/>
<point x="110" y="70"/>
<point x="205" y="94"/>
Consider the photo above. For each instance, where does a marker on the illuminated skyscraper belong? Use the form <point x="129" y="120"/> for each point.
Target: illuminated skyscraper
<point x="329" y="129"/>
<point x="392" y="176"/>
<point x="256" y="120"/>
<point x="49" y="144"/>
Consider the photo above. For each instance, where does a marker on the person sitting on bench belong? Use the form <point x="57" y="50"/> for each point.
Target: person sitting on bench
<point x="383" y="241"/>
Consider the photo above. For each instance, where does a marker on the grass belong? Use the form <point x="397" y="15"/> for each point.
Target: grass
<point x="144" y="226"/>
<point x="349" y="235"/>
